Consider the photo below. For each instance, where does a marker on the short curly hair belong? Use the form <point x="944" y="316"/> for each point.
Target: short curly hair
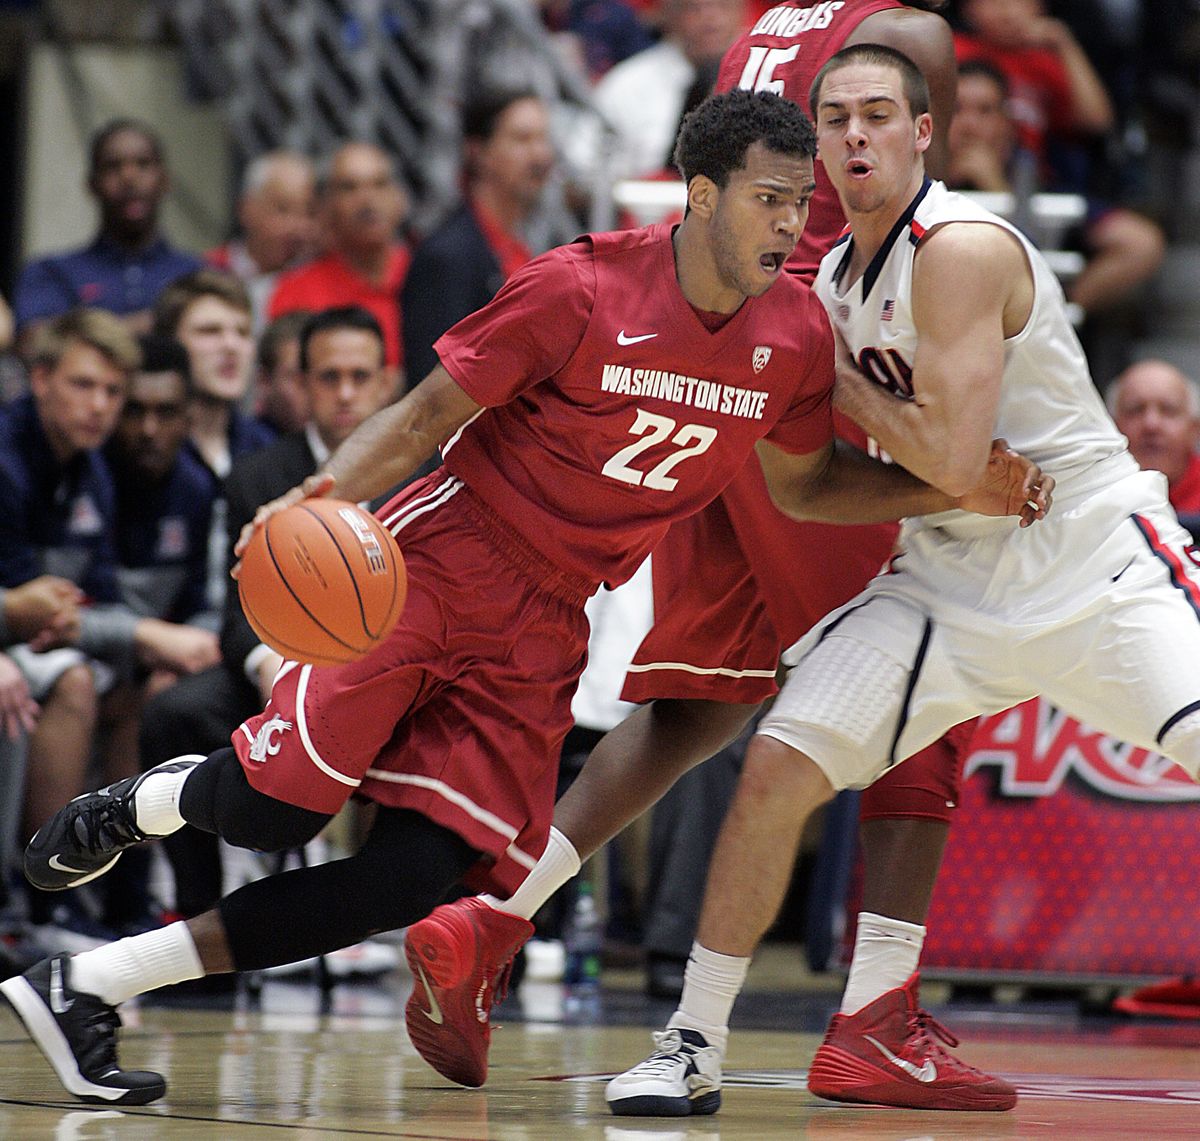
<point x="714" y="138"/>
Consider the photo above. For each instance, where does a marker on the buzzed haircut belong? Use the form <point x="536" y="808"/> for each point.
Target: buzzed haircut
<point x="97" y="328"/>
<point x="174" y="301"/>
<point x="340" y="317"/>
<point x="916" y="90"/>
<point x="714" y="138"/>
<point x="115" y="127"/>
<point x="165" y="354"/>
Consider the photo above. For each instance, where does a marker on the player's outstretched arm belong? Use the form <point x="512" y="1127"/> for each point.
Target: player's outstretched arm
<point x="840" y="484"/>
<point x="383" y="450"/>
<point x="972" y="287"/>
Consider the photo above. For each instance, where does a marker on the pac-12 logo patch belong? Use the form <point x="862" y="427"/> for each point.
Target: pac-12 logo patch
<point x="762" y="354"/>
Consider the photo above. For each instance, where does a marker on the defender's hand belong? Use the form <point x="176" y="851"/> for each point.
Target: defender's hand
<point x="1012" y="485"/>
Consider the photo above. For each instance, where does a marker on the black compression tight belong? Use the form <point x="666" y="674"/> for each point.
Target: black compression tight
<point x="402" y="872"/>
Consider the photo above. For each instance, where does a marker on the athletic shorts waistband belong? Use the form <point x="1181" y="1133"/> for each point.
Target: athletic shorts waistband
<point x="522" y="556"/>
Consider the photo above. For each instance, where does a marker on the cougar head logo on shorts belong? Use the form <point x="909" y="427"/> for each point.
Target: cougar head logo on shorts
<point x="266" y="742"/>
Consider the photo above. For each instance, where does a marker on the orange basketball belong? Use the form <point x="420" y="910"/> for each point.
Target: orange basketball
<point x="322" y="582"/>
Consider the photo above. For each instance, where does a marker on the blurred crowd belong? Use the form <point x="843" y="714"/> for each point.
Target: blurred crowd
<point x="156" y="395"/>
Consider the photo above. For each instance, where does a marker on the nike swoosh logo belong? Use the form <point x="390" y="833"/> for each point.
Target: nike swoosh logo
<point x="927" y="1072"/>
<point x="58" y="1004"/>
<point x="622" y="339"/>
<point x="59" y="866"/>
<point x="434" y="1013"/>
<point x="1122" y="570"/>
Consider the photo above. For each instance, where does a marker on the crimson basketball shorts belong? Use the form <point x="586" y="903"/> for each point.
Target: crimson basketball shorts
<point x="459" y="715"/>
<point x="727" y="579"/>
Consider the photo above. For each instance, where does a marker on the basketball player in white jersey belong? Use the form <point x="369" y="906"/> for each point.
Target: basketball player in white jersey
<point x="951" y="330"/>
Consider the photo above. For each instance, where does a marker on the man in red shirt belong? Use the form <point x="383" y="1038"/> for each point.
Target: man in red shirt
<point x="508" y="157"/>
<point x="360" y="207"/>
<point x="1055" y="89"/>
<point x="610" y="388"/>
<point x="1157" y="407"/>
<point x="276" y="213"/>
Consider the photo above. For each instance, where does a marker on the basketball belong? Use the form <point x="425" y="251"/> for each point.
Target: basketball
<point x="322" y="582"/>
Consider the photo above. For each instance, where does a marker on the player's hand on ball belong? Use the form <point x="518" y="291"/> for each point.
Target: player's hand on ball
<point x="1012" y="485"/>
<point x="316" y="486"/>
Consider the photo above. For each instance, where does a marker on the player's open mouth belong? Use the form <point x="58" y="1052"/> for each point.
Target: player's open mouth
<point x="772" y="262"/>
<point x="857" y="168"/>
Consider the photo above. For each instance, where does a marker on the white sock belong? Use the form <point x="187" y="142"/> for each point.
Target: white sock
<point x="156" y="802"/>
<point x="558" y="864"/>
<point x="711" y="983"/>
<point x="117" y="971"/>
<point x="886" y="952"/>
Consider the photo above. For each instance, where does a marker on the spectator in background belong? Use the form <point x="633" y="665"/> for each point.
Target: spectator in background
<point x="507" y="159"/>
<point x="596" y="34"/>
<point x="276" y="217"/>
<point x="163" y="493"/>
<point x="361" y="205"/>
<point x="1123" y="249"/>
<point x="344" y="381"/>
<point x="129" y="262"/>
<point x="1157" y="407"/>
<point x="280" y="398"/>
<point x="1054" y="88"/>
<point x="164" y="504"/>
<point x="57" y="516"/>
<point x="208" y="312"/>
<point x="41" y="609"/>
<point x="643" y="98"/>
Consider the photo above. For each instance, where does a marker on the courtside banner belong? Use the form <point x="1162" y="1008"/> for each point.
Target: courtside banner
<point x="1070" y="854"/>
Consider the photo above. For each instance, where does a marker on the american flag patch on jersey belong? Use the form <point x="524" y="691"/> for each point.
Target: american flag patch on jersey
<point x="889" y="308"/>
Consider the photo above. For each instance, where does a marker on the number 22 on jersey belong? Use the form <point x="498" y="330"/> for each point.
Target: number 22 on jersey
<point x="690" y="439"/>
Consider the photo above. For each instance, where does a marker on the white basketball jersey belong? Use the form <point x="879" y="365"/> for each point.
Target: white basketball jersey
<point x="1049" y="409"/>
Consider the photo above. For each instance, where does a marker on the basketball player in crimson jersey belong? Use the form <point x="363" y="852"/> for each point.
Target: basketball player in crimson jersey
<point x="611" y="387"/>
<point x="767" y="579"/>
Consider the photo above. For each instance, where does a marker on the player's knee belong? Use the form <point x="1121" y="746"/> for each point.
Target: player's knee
<point x="1182" y="744"/>
<point x="217" y="798"/>
<point x="773" y="769"/>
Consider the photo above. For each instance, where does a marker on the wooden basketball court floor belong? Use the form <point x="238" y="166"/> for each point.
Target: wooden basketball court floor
<point x="287" y="1064"/>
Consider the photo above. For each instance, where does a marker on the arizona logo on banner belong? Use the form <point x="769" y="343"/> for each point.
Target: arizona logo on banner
<point x="1070" y="854"/>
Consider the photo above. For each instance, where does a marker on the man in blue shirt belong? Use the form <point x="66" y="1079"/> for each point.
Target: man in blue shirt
<point x="164" y="492"/>
<point x="57" y="507"/>
<point x="128" y="264"/>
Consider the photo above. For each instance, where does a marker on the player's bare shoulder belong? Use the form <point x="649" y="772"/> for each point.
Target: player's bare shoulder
<point x="923" y="35"/>
<point x="975" y="265"/>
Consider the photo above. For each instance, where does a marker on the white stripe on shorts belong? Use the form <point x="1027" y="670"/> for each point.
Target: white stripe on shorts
<point x="482" y="815"/>
<point x="404" y="515"/>
<point x="302" y="727"/>
<point x="704" y="671"/>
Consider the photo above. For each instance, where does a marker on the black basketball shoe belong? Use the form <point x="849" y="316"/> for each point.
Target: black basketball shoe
<point x="83" y="840"/>
<point x="78" y="1034"/>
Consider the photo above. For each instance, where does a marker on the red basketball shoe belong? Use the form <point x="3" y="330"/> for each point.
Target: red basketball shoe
<point x="1175" y="998"/>
<point x="888" y="1053"/>
<point x="461" y="957"/>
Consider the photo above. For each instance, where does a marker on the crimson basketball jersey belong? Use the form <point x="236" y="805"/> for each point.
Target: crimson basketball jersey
<point x="610" y="410"/>
<point x="783" y="53"/>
